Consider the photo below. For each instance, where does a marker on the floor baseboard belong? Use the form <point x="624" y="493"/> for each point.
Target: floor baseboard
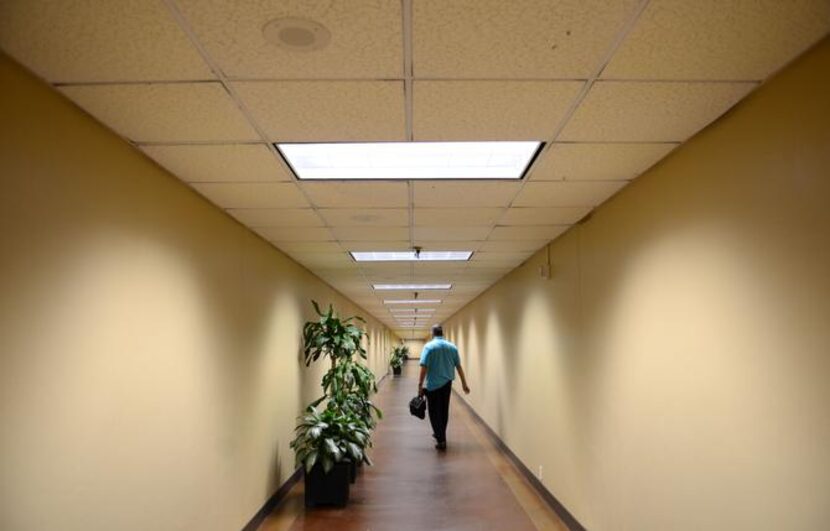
<point x="563" y="513"/>
<point x="273" y="501"/>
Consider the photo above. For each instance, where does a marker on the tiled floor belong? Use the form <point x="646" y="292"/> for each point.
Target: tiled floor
<point x="412" y="486"/>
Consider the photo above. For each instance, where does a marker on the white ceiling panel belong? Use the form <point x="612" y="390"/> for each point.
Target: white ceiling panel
<point x="506" y="246"/>
<point x="317" y="111"/>
<point x="310" y="247"/>
<point x="84" y="41"/>
<point x="717" y="40"/>
<point x="358" y="194"/>
<point x="464" y="194"/>
<point x="379" y="234"/>
<point x="460" y="234"/>
<point x="365" y="41"/>
<point x="490" y="110"/>
<point x="276" y="217"/>
<point x="567" y="193"/>
<point x="532" y="38"/>
<point x="528" y="232"/>
<point x="459" y="217"/>
<point x="400" y="245"/>
<point x="253" y="195"/>
<point x="295" y="234"/>
<point x="650" y="111"/>
<point x="444" y="245"/>
<point x="178" y="112"/>
<point x="544" y="216"/>
<point x="601" y="162"/>
<point x="219" y="163"/>
<point x="372" y="217"/>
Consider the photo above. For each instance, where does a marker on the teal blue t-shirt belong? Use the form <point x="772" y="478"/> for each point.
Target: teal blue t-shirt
<point x="440" y="357"/>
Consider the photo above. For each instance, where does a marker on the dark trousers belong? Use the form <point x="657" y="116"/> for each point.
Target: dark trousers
<point x="438" y="405"/>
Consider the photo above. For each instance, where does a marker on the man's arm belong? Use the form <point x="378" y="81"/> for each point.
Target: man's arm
<point x="421" y="380"/>
<point x="463" y="379"/>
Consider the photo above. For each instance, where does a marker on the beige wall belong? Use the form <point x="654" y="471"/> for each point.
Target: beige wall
<point x="675" y="371"/>
<point x="415" y="347"/>
<point x="150" y="369"/>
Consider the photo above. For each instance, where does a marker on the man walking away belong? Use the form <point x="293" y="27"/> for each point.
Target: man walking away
<point x="439" y="361"/>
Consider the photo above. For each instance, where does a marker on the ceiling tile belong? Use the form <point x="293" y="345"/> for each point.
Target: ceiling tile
<point x="528" y="232"/>
<point x="219" y="163"/>
<point x="276" y="217"/>
<point x="116" y="40"/>
<point x="400" y="245"/>
<point x="544" y="216"/>
<point x="253" y="195"/>
<point x="365" y="41"/>
<point x="460" y="234"/>
<point x="321" y="111"/>
<point x="490" y="110"/>
<point x="567" y="193"/>
<point x="310" y="247"/>
<point x="178" y="112"/>
<point x="295" y="234"/>
<point x="464" y="194"/>
<point x="507" y="246"/>
<point x="372" y="217"/>
<point x="532" y="38"/>
<point x="358" y="194"/>
<point x="599" y="162"/>
<point x="444" y="245"/>
<point x="712" y="39"/>
<point x="650" y="111"/>
<point x="378" y="234"/>
<point x="440" y="217"/>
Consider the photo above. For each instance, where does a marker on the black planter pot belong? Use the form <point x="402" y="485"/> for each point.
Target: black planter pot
<point x="352" y="471"/>
<point x="396" y="371"/>
<point x="328" y="489"/>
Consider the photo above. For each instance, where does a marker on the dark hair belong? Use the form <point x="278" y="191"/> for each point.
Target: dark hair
<point x="437" y="330"/>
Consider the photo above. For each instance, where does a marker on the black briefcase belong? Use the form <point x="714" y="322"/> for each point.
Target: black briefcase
<point x="418" y="407"/>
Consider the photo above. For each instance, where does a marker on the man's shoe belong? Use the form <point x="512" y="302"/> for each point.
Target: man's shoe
<point x="442" y="445"/>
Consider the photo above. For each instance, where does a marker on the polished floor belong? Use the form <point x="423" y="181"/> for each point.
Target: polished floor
<point x="412" y="486"/>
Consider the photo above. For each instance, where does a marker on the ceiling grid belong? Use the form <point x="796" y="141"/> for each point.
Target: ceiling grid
<point x="610" y="87"/>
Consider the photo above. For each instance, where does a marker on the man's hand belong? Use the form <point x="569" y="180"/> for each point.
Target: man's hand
<point x="421" y="390"/>
<point x="466" y="389"/>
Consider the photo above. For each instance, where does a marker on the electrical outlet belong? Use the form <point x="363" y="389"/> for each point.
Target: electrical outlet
<point x="540" y="472"/>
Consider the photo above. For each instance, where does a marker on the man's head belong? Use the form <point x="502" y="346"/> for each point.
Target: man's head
<point x="437" y="331"/>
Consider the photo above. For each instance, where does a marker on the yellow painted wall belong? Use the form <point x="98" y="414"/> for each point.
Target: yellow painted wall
<point x="415" y="347"/>
<point x="150" y="364"/>
<point x="674" y="374"/>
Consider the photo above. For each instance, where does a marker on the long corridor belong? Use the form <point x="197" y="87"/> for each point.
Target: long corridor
<point x="412" y="486"/>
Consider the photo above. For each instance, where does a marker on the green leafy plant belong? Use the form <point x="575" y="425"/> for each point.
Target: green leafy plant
<point x="399" y="354"/>
<point x="332" y="337"/>
<point x="343" y="429"/>
<point x="329" y="437"/>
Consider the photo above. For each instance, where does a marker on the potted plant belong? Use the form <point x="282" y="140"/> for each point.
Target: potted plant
<point x="326" y="444"/>
<point x="349" y="414"/>
<point x="399" y="354"/>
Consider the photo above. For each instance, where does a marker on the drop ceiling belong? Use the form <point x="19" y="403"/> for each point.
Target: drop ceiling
<point x="611" y="87"/>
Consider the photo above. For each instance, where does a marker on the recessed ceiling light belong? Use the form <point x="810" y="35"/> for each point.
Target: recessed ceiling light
<point x="411" y="256"/>
<point x="296" y="34"/>
<point x="412" y="301"/>
<point x="406" y="310"/>
<point x="410" y="160"/>
<point x="412" y="287"/>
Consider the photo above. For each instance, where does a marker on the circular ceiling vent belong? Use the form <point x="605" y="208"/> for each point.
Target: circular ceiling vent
<point x="298" y="34"/>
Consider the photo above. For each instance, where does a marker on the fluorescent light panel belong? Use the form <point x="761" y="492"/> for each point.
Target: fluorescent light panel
<point x="411" y="287"/>
<point x="410" y="256"/>
<point x="408" y="310"/>
<point x="410" y="160"/>
<point x="411" y="301"/>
